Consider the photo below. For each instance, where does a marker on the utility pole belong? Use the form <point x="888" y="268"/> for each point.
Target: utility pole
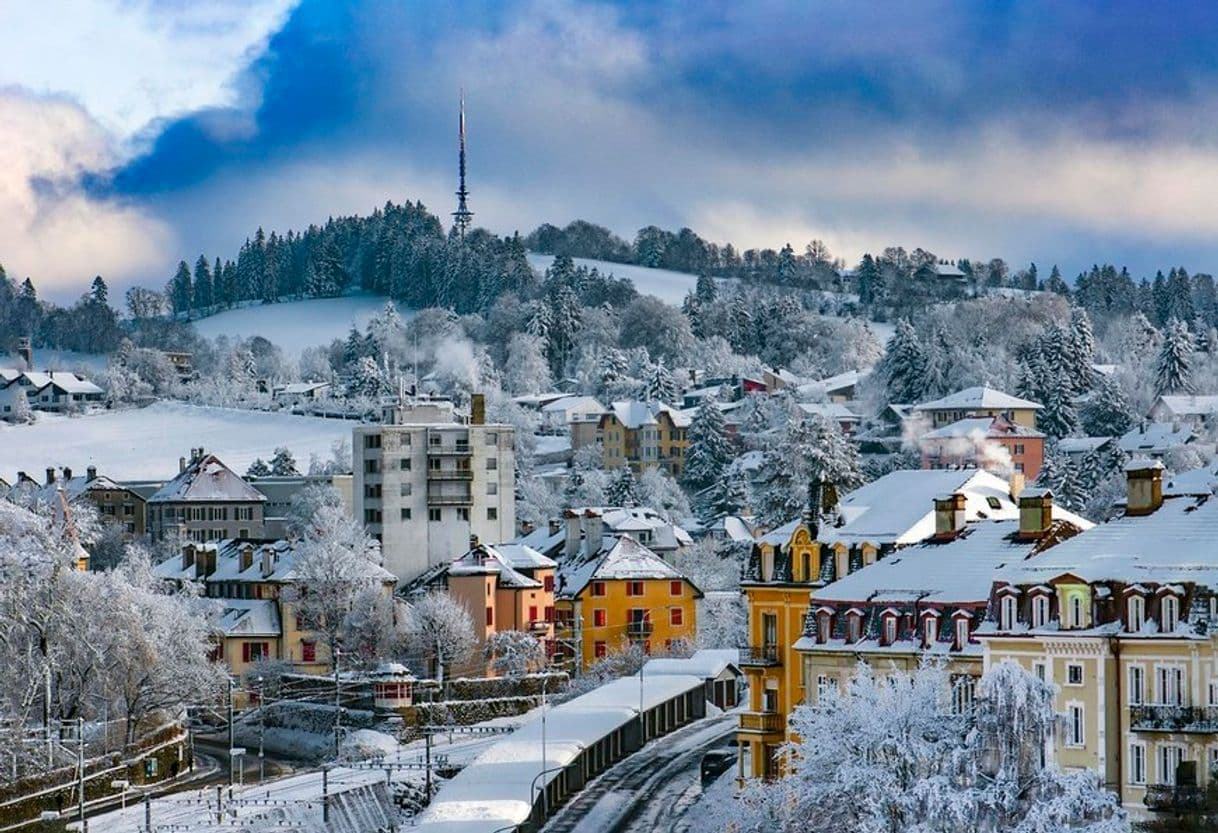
<point x="147" y="813"/>
<point x="80" y="757"/>
<point x="231" y="732"/>
<point x="427" y="757"/>
<point x="338" y="706"/>
<point x="545" y="809"/>
<point x="46" y="716"/>
<point x="261" y="730"/>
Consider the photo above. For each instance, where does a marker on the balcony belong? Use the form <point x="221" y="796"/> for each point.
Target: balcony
<point x="1174" y="798"/>
<point x="450" y="474"/>
<point x="450" y="500"/>
<point x="763" y="656"/>
<point x="448" y="449"/>
<point x="764" y="722"/>
<point x="1189" y="719"/>
<point x="639" y="629"/>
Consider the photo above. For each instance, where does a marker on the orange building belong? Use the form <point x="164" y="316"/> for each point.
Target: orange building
<point x="996" y="444"/>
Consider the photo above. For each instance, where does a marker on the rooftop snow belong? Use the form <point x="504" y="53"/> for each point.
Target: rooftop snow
<point x="974" y="426"/>
<point x="207" y="479"/>
<point x="977" y="397"/>
<point x="707" y="663"/>
<point x="251" y="617"/>
<point x="618" y="559"/>
<point x="1155" y="437"/>
<point x="1196" y="405"/>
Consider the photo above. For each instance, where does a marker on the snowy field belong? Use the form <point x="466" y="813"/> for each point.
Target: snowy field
<point x="665" y="285"/>
<point x="145" y="444"/>
<point x="295" y="325"/>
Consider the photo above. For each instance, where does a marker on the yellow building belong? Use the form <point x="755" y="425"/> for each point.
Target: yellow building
<point x="620" y="594"/>
<point x="978" y="402"/>
<point x="788" y="564"/>
<point x="260" y="621"/>
<point x="644" y="435"/>
<point x="1122" y="619"/>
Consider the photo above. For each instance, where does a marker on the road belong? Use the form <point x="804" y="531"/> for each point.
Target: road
<point x="650" y="790"/>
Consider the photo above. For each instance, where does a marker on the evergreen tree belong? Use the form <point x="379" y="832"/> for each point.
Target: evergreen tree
<point x="180" y="291"/>
<point x="258" y="468"/>
<point x="904" y="366"/>
<point x="1106" y="412"/>
<point x="99" y="293"/>
<point x="706" y="292"/>
<point x="710" y="448"/>
<point x="812" y="449"/>
<point x="203" y="289"/>
<point x="729" y="494"/>
<point x="1080" y="351"/>
<point x="283" y="464"/>
<point x="1056" y="284"/>
<point x="1058" y="418"/>
<point x="870" y="281"/>
<point x="660" y="386"/>
<point x="1174" y="370"/>
<point x="623" y="489"/>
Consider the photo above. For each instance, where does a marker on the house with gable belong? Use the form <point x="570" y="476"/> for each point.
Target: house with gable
<point x="978" y="401"/>
<point x="207" y="501"/>
<point x="644" y="435"/>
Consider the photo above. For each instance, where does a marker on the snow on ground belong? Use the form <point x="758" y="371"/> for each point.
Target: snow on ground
<point x="665" y="285"/>
<point x="145" y="444"/>
<point x="295" y="325"/>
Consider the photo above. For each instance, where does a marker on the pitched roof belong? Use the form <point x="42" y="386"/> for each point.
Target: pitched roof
<point x="485" y="559"/>
<point x="835" y="411"/>
<point x="982" y="426"/>
<point x="977" y="397"/>
<point x="634" y="414"/>
<point x="1184" y="405"/>
<point x="250" y="617"/>
<point x="1081" y="445"/>
<point x="618" y="559"/>
<point x="207" y="479"/>
<point x="280" y="554"/>
<point x="1155" y="438"/>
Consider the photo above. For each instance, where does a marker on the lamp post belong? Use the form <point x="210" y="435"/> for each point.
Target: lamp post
<point x="338" y="708"/>
<point x="261" y="730"/>
<point x="232" y="731"/>
<point x="545" y="810"/>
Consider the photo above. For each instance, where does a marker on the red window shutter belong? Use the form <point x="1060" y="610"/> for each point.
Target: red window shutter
<point x="266" y="650"/>
<point x="599" y="649"/>
<point x="676" y="588"/>
<point x="549" y="583"/>
<point x="676" y="616"/>
<point x="549" y="614"/>
<point x="245" y="652"/>
<point x="532" y="613"/>
<point x="308" y="651"/>
<point x="490" y="617"/>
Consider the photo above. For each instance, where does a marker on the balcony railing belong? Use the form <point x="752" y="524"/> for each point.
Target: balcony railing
<point x="763" y="655"/>
<point x="639" y="629"/>
<point x="1198" y="719"/>
<point x="1173" y="798"/>
<point x="448" y="449"/>
<point x="450" y="474"/>
<point x="760" y="722"/>
<point x="450" y="500"/>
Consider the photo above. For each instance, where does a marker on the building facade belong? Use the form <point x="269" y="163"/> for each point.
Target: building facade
<point x="978" y="402"/>
<point x="996" y="444"/>
<point x="644" y="435"/>
<point x="207" y="501"/>
<point x="429" y="479"/>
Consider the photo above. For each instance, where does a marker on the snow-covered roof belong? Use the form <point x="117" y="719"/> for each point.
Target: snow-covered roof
<point x="1202" y="481"/>
<point x="302" y="387"/>
<point x="977" y="397"/>
<point x="634" y="414"/>
<point x="65" y="380"/>
<point x="842" y="381"/>
<point x="618" y="559"/>
<point x="661" y="535"/>
<point x="707" y="663"/>
<point x="250" y="617"/>
<point x="492" y="792"/>
<point x="523" y="557"/>
<point x="981" y="426"/>
<point x="1081" y="445"/>
<point x="207" y="479"/>
<point x="570" y="404"/>
<point x="485" y="559"/>
<point x="539" y="400"/>
<point x="1155" y="437"/>
<point x="835" y="411"/>
<point x="8" y="375"/>
<point x="948" y="270"/>
<point x="280" y="557"/>
<point x="1175" y="543"/>
<point x="956" y="571"/>
<point x="1191" y="406"/>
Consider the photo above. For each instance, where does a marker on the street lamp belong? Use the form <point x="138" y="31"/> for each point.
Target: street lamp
<point x="545" y="811"/>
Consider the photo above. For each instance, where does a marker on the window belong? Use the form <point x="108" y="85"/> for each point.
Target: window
<point x="404" y="439"/>
<point x="676" y="588"/>
<point x="1007" y="614"/>
<point x="1018" y="448"/>
<point x="598" y="649"/>
<point x="854" y="627"/>
<point x="492" y="464"/>
<point x="463" y="513"/>
<point x="548" y="583"/>
<point x="406" y="513"/>
<point x="598" y="588"/>
<point x="964" y="688"/>
<point x="549" y="613"/>
<point x="372" y="491"/>
<point x="961" y="633"/>
<point x="1170" y="757"/>
<point x="371" y="466"/>
<point x="533" y="613"/>
<point x="1136" y="613"/>
<point x="492" y="513"/>
<point x="1019" y="468"/>
<point x="433" y="464"/>
<point x="1076" y="611"/>
<point x="372" y="441"/>
<point x="676" y="617"/>
<point x="434" y="514"/>
<point x="1212" y="693"/>
<point x="1169" y="680"/>
<point x="404" y="464"/>
<point x="634" y="588"/>
<point x="824" y="684"/>
<point x="1076" y="734"/>
<point x="890" y="629"/>
<point x="371" y="516"/>
<point x="492" y="438"/>
<point x="930" y="630"/>
<point x="128" y="510"/>
<point x="308" y="652"/>
<point x="1038" y="668"/>
<point x="599" y="617"/>
<point x="824" y="626"/>
<point x="1137" y="685"/>
<point x="993" y="502"/>
<point x="1169" y="613"/>
<point x="492" y="488"/>
<point x="490" y="617"/>
<point x="406" y="490"/>
<point x="1137" y="763"/>
<point x="1040" y="611"/>
<point x="1074" y="673"/>
<point x="255" y="651"/>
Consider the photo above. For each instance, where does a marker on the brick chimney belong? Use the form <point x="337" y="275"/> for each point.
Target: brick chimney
<point x="594" y="530"/>
<point x="91" y="472"/>
<point x="949" y="515"/>
<point x="1144" y="486"/>
<point x="477" y="409"/>
<point x="1035" y="512"/>
<point x="571" y="543"/>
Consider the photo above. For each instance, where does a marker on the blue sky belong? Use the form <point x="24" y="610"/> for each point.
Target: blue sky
<point x="1036" y="131"/>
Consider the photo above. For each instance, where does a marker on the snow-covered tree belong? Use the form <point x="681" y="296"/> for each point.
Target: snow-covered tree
<point x="723" y="620"/>
<point x="1057" y="418"/>
<point x="659" y="386"/>
<point x="812" y="448"/>
<point x="710" y="448"/>
<point x="657" y="489"/>
<point x="1173" y="373"/>
<point x="527" y="370"/>
<point x="904" y="365"/>
<point x="1107" y="412"/>
<point x="22" y="412"/>
<point x="307" y="503"/>
<point x="283" y="464"/>
<point x="440" y="629"/>
<point x="623" y="489"/>
<point x="514" y="653"/>
<point x="258" y="468"/>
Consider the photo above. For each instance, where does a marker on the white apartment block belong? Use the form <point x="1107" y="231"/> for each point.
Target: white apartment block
<point x="428" y="478"/>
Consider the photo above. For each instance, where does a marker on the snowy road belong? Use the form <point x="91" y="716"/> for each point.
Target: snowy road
<point x="650" y="790"/>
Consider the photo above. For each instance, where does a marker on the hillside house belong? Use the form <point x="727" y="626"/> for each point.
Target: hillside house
<point x="644" y="435"/>
<point x="995" y="444"/>
<point x="207" y="501"/>
<point x="978" y="402"/>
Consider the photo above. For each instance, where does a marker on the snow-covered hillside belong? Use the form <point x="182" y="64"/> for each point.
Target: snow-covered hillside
<point x="145" y="444"/>
<point x="665" y="285"/>
<point x="294" y="325"/>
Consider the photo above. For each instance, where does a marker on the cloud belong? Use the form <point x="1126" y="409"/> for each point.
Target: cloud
<point x="48" y="228"/>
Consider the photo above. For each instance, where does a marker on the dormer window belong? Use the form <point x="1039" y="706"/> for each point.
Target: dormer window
<point x="767" y="565"/>
<point x="1008" y="614"/>
<point x="930" y="631"/>
<point x="1169" y="613"/>
<point x="1040" y="611"/>
<point x="824" y="626"/>
<point x="854" y="627"/>
<point x="890" y="628"/>
<point x="1135" y="613"/>
<point x="962" y="631"/>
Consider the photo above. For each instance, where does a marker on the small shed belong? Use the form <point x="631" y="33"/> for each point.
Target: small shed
<point x="718" y="667"/>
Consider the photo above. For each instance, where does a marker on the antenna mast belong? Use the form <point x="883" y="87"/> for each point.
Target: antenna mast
<point x="462" y="216"/>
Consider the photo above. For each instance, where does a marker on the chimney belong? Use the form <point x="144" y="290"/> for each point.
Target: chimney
<point x="268" y="562"/>
<point x="247" y="557"/>
<point x="1144" y="486"/>
<point x="477" y="409"/>
<point x="181" y="464"/>
<point x="594" y="530"/>
<point x="812" y="509"/>
<point x="91" y="473"/>
<point x="554" y="525"/>
<point x="1035" y="513"/>
<point x="473" y="542"/>
<point x="1016" y="483"/>
<point x="67" y="473"/>
<point x="188" y="556"/>
<point x="50" y="475"/>
<point x="571" y="544"/>
<point x="949" y="515"/>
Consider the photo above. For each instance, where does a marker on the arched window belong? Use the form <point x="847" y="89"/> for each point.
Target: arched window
<point x="1135" y="613"/>
<point x="824" y="626"/>
<point x="1169" y="613"/>
<point x="1008" y="614"/>
<point x="1040" y="611"/>
<point x="961" y="633"/>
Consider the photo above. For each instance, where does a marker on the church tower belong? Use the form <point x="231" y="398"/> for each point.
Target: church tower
<point x="462" y="216"/>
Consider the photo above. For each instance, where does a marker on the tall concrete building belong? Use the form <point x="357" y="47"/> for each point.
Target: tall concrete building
<point x="429" y="477"/>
